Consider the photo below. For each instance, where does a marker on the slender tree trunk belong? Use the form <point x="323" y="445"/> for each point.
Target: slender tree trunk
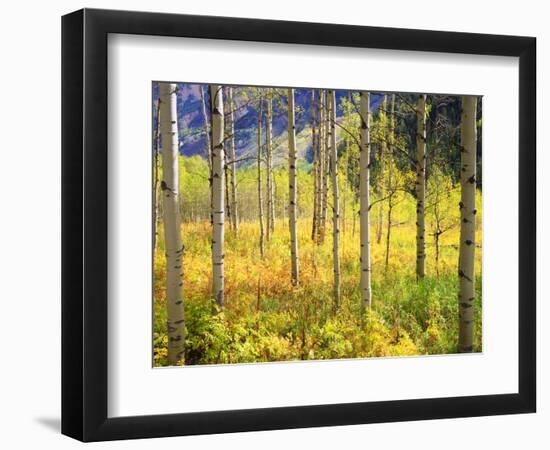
<point x="468" y="137"/>
<point x="320" y="162"/>
<point x="391" y="191"/>
<point x="172" y="231"/>
<point x="391" y="131"/>
<point x="276" y="189"/>
<point x="206" y="131"/>
<point x="383" y="152"/>
<point x="208" y="136"/>
<point x="269" y="157"/>
<point x="260" y="196"/>
<point x="421" y="187"/>
<point x="218" y="211"/>
<point x="226" y="167"/>
<point x="228" y="212"/>
<point x="234" y="206"/>
<point x="335" y="197"/>
<point x="315" y="168"/>
<point x="436" y="238"/>
<point x="344" y="203"/>
<point x="364" y="209"/>
<point x="326" y="167"/>
<point x="388" y="234"/>
<point x="346" y="172"/>
<point x="156" y="149"/>
<point x="292" y="188"/>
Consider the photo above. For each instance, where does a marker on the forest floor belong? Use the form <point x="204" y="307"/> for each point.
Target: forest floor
<point x="266" y="318"/>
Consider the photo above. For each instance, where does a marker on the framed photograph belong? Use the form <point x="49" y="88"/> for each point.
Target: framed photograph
<point x="273" y="225"/>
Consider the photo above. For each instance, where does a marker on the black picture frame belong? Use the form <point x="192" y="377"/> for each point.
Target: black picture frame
<point x="84" y="224"/>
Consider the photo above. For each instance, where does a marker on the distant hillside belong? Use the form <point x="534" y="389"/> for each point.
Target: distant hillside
<point x="193" y="140"/>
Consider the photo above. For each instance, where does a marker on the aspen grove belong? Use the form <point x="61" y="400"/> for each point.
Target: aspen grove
<point x="311" y="223"/>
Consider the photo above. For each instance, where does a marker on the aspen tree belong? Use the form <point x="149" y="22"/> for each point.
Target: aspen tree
<point x="364" y="208"/>
<point x="468" y="138"/>
<point x="315" y="168"/>
<point x="171" y="218"/>
<point x="320" y="162"/>
<point x="269" y="159"/>
<point x="346" y="172"/>
<point x="218" y="210"/>
<point x="226" y="168"/>
<point x="421" y="186"/>
<point x="391" y="132"/>
<point x="206" y="131"/>
<point x="391" y="193"/>
<point x="228" y="215"/>
<point x="439" y="187"/>
<point x="208" y="147"/>
<point x="326" y="167"/>
<point x="335" y="197"/>
<point x="292" y="210"/>
<point x="259" y="177"/>
<point x="156" y="150"/>
<point x="383" y="151"/>
<point x="230" y="117"/>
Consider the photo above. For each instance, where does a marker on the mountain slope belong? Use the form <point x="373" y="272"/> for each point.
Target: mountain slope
<point x="193" y="139"/>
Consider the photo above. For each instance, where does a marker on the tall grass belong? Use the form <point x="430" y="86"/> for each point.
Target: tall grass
<point x="267" y="319"/>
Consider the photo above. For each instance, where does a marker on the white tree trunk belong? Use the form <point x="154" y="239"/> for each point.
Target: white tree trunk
<point x="260" y="196"/>
<point x="206" y="131"/>
<point x="381" y="182"/>
<point x="346" y="177"/>
<point x="335" y="197"/>
<point x="269" y="156"/>
<point x="320" y="162"/>
<point x="364" y="208"/>
<point x="234" y="207"/>
<point x="218" y="210"/>
<point x="392" y="189"/>
<point x="421" y="186"/>
<point x="208" y="147"/>
<point x="227" y="177"/>
<point x="292" y="210"/>
<point x="388" y="229"/>
<point x="156" y="151"/>
<point x="171" y="217"/>
<point x="468" y="137"/>
<point x="315" y="169"/>
<point x="326" y="166"/>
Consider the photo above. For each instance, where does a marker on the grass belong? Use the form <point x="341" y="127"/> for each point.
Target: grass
<point x="267" y="319"/>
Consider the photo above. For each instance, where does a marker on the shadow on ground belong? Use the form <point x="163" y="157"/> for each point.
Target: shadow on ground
<point x="52" y="423"/>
